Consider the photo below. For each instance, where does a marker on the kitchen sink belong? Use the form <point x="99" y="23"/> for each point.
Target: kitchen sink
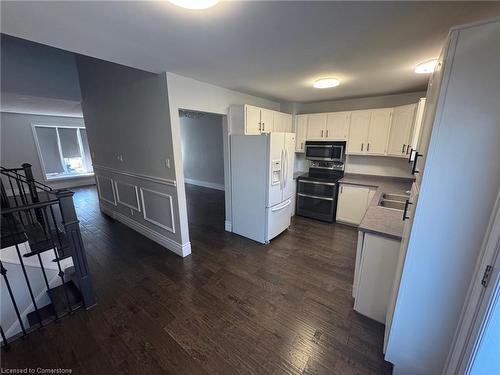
<point x="395" y="201"/>
<point x="400" y="197"/>
<point x="395" y="205"/>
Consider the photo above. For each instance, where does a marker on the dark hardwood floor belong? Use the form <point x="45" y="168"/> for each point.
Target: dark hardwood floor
<point x="232" y="307"/>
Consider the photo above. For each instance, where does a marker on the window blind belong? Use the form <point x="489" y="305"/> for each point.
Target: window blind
<point x="69" y="143"/>
<point x="47" y="140"/>
<point x="86" y="149"/>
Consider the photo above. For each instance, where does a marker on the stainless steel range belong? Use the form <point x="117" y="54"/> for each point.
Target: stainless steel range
<point x="317" y="190"/>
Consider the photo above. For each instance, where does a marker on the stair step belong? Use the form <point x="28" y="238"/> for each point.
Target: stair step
<point x="12" y="231"/>
<point x="40" y="241"/>
<point x="47" y="312"/>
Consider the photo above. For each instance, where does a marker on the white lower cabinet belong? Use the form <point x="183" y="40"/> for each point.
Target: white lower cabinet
<point x="352" y="203"/>
<point x="376" y="261"/>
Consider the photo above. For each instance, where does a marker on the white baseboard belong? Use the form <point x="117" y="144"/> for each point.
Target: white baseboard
<point x="182" y="250"/>
<point x="228" y="226"/>
<point x="210" y="185"/>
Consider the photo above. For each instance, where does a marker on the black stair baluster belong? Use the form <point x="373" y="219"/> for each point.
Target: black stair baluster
<point x="49" y="290"/>
<point x="4" y="339"/>
<point x="24" y="198"/>
<point x="61" y="273"/>
<point x="15" y="197"/>
<point x="3" y="271"/>
<point x="30" y="181"/>
<point x="29" y="286"/>
<point x="5" y="199"/>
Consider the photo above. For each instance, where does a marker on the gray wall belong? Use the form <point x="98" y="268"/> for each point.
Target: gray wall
<point x="18" y="144"/>
<point x="128" y="124"/>
<point x="34" y="69"/>
<point x="202" y="150"/>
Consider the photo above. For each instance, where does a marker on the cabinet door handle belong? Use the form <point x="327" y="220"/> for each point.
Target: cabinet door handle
<point x="263" y="127"/>
<point x="362" y="144"/>
<point x="414" y="169"/>
<point x="302" y="145"/>
<point x="322" y="133"/>
<point x="368" y="147"/>
<point x="407" y="203"/>
<point x="403" y="149"/>
<point x="327" y="134"/>
<point x="407" y="149"/>
<point x="260" y="126"/>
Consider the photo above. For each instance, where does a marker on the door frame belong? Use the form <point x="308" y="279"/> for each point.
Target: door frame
<point x="479" y="302"/>
<point x="226" y="156"/>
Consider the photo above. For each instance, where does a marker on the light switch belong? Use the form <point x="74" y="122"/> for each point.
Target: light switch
<point x="167" y="163"/>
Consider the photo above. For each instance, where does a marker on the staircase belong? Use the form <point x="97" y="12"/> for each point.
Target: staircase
<point x="43" y="266"/>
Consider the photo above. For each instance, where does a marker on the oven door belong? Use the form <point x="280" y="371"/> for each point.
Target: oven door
<point x="317" y="200"/>
<point x="319" y="152"/>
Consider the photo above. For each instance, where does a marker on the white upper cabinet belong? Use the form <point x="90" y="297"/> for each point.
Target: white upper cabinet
<point x="337" y="126"/>
<point x="316" y="126"/>
<point x="252" y="120"/>
<point x="378" y="133"/>
<point x="358" y="132"/>
<point x="300" y="132"/>
<point x="267" y="120"/>
<point x="282" y="122"/>
<point x="403" y="120"/>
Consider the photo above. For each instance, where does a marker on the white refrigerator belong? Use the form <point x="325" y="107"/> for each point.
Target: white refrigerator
<point x="261" y="184"/>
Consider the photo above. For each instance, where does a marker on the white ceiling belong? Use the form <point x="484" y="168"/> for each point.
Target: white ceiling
<point x="270" y="49"/>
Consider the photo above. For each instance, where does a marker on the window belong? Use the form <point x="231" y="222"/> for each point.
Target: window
<point x="64" y="151"/>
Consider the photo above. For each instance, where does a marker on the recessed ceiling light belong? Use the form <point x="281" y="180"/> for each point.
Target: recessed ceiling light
<point x="195" y="4"/>
<point x="326" y="83"/>
<point x="426" y="67"/>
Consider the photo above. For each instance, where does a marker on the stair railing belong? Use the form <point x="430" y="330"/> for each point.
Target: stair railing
<point x="47" y="220"/>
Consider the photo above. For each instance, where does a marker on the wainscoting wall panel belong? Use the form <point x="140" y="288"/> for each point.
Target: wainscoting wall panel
<point x="157" y="209"/>
<point x="106" y="189"/>
<point x="146" y="204"/>
<point x="127" y="195"/>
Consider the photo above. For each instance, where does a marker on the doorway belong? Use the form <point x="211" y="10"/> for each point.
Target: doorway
<point x="202" y="149"/>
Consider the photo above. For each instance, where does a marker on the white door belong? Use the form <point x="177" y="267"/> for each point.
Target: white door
<point x="337" y="126"/>
<point x="252" y="120"/>
<point x="275" y="167"/>
<point x="403" y="119"/>
<point x="358" y="132"/>
<point x="316" y="126"/>
<point x="267" y="120"/>
<point x="289" y="158"/>
<point x="352" y="203"/>
<point x="378" y="133"/>
<point x="300" y="132"/>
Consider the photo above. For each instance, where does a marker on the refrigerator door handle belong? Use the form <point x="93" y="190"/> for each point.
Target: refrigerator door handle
<point x="285" y="170"/>
<point x="281" y="170"/>
<point x="281" y="206"/>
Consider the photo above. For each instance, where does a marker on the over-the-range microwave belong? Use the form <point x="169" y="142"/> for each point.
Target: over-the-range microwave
<point x="326" y="150"/>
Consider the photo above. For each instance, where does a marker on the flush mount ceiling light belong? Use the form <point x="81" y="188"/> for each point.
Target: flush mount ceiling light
<point x="325" y="83"/>
<point x="195" y="4"/>
<point x="426" y="67"/>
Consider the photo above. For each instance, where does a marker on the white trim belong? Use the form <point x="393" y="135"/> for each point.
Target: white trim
<point x="70" y="177"/>
<point x="182" y="250"/>
<point x="159" y="180"/>
<point x="477" y="304"/>
<point x="209" y="185"/>
<point x="112" y="189"/>
<point x="228" y="226"/>
<point x="137" y="207"/>
<point x="144" y="213"/>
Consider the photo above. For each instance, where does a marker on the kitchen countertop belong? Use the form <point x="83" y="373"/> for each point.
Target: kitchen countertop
<point x="377" y="219"/>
